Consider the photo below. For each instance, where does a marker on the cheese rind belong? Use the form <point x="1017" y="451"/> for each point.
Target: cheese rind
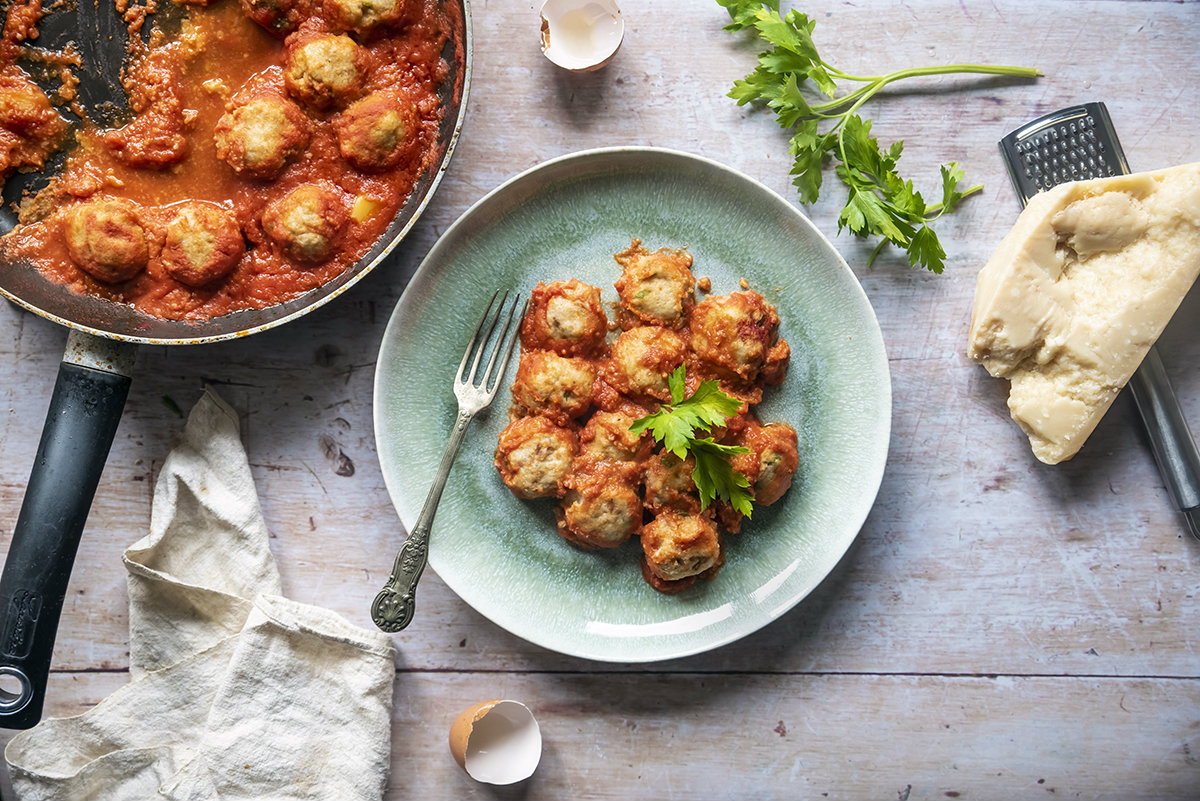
<point x="1078" y="292"/>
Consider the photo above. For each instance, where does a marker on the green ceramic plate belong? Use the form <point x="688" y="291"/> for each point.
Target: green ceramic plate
<point x="566" y="218"/>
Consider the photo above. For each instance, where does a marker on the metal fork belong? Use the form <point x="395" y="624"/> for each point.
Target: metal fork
<point x="393" y="607"/>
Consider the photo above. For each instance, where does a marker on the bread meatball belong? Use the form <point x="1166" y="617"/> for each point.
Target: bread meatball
<point x="324" y="71"/>
<point x="642" y="358"/>
<point x="534" y="455"/>
<point x="678" y="546"/>
<point x="365" y="16"/>
<point x="669" y="484"/>
<point x="556" y="386"/>
<point x="203" y="243"/>
<point x="30" y="127"/>
<point x="600" y="507"/>
<point x="774" y="368"/>
<point x="772" y="460"/>
<point x="656" y="287"/>
<point x="565" y="317"/>
<point x="607" y="436"/>
<point x="735" y="332"/>
<point x="108" y="239"/>
<point x="305" y="224"/>
<point x="378" y="132"/>
<point x="278" y="17"/>
<point x="260" y="136"/>
<point x="777" y="448"/>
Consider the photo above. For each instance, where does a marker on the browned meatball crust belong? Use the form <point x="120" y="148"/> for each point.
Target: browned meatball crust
<point x="642" y="358"/>
<point x="600" y="506"/>
<point x="378" y="132"/>
<point x="108" y="239"/>
<point x="367" y="16"/>
<point x="777" y="449"/>
<point x="324" y="71"/>
<point x="607" y="436"/>
<point x="678" y="546"/>
<point x="534" y="455"/>
<point x="30" y="127"/>
<point x="278" y="17"/>
<point x="657" y="287"/>
<point x="260" y="136"/>
<point x="203" y="243"/>
<point x="552" y="385"/>
<point x="735" y="332"/>
<point x="669" y="484"/>
<point x="305" y="224"/>
<point x="565" y="317"/>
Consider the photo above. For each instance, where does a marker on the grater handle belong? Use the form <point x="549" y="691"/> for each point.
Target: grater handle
<point x="1170" y="439"/>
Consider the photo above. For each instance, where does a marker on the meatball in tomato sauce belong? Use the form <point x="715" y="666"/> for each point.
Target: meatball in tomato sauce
<point x="30" y="128"/>
<point x="607" y="436"/>
<point x="552" y="385"/>
<point x="774" y="450"/>
<point x="600" y="507"/>
<point x="324" y="71"/>
<point x="642" y="358"/>
<point x="108" y="239"/>
<point x="305" y="224"/>
<point x="259" y="137"/>
<point x="278" y="17"/>
<point x="565" y="317"/>
<point x="658" y="287"/>
<point x="669" y="484"/>
<point x="735" y="332"/>
<point x="534" y="455"/>
<point x="203" y="243"/>
<point x="680" y="546"/>
<point x="367" y="16"/>
<point x="378" y="132"/>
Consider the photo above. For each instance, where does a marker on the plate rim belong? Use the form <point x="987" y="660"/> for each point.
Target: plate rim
<point x="449" y="240"/>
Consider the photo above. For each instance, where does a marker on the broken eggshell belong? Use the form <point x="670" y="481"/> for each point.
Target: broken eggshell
<point x="496" y="742"/>
<point x="581" y="35"/>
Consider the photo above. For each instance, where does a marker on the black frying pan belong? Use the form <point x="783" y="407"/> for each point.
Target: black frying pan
<point x="93" y="381"/>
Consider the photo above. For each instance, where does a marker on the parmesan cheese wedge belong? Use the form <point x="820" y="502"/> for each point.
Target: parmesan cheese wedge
<point x="1078" y="292"/>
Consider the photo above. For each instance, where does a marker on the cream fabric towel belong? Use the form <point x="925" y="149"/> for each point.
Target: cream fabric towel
<point x="235" y="691"/>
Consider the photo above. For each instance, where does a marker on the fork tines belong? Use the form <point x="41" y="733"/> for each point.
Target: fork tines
<point x="501" y="343"/>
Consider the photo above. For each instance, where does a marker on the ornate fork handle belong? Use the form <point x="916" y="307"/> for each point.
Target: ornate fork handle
<point x="393" y="607"/>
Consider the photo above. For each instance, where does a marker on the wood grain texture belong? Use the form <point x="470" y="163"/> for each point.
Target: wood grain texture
<point x="1001" y="628"/>
<point x="806" y="735"/>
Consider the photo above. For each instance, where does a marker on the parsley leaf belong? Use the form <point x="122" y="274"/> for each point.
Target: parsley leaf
<point x="880" y="202"/>
<point x="676" y="426"/>
<point x="715" y="477"/>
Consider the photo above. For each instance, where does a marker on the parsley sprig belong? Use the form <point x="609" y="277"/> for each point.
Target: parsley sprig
<point x="678" y="424"/>
<point x="880" y="201"/>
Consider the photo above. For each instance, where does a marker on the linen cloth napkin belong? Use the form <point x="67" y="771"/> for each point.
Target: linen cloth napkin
<point x="236" y="692"/>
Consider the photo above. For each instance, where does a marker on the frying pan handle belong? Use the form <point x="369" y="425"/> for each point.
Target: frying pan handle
<point x="89" y="395"/>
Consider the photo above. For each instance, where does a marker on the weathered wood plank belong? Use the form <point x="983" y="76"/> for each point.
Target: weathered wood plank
<point x="741" y="736"/>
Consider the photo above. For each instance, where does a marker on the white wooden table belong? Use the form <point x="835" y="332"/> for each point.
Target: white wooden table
<point x="1001" y="629"/>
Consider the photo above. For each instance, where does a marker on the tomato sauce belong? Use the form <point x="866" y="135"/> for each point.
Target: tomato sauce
<point x="179" y="87"/>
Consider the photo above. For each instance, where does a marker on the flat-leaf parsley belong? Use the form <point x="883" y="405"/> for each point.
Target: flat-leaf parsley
<point x="880" y="201"/>
<point x="677" y="426"/>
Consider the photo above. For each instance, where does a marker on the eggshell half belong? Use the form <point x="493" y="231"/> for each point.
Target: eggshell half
<point x="496" y="742"/>
<point x="581" y="35"/>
